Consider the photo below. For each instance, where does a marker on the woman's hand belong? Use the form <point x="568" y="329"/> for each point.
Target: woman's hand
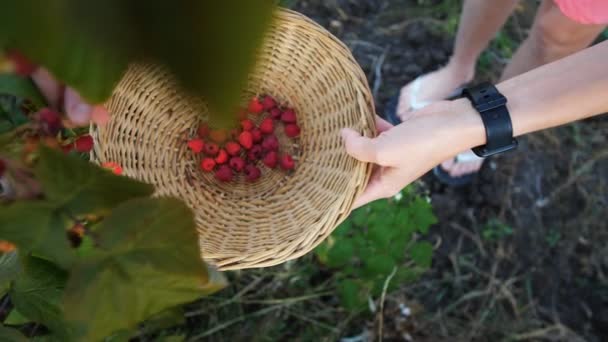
<point x="59" y="96"/>
<point x="405" y="152"/>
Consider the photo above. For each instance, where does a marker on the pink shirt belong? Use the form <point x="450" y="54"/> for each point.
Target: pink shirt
<point x="585" y="11"/>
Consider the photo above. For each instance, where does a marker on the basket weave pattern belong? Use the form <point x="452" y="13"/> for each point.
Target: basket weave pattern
<point x="283" y="215"/>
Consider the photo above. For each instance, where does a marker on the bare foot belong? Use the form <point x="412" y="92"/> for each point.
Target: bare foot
<point x="435" y="86"/>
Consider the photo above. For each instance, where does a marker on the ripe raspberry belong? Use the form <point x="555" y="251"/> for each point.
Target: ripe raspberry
<point x="21" y="65"/>
<point x="289" y="116"/>
<point x="84" y="143"/>
<point x="247" y="125"/>
<point x="271" y="159"/>
<point x="2" y="167"/>
<point x="196" y="145"/>
<point x="256" y="134"/>
<point x="6" y="247"/>
<point x="208" y="164"/>
<point x="50" y="121"/>
<point x="287" y="163"/>
<point x="232" y="148"/>
<point x="270" y="143"/>
<point x="292" y="130"/>
<point x="203" y="131"/>
<point x="255" y="153"/>
<point x="252" y="173"/>
<point x="268" y="103"/>
<point x="218" y="135"/>
<point x="222" y="157"/>
<point x="246" y="140"/>
<point x="211" y="149"/>
<point x="112" y="166"/>
<point x="224" y="173"/>
<point x="255" y="106"/>
<point x="267" y="126"/>
<point x="275" y="113"/>
<point x="237" y="164"/>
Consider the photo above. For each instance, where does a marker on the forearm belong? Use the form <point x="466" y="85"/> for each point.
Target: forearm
<point x="571" y="89"/>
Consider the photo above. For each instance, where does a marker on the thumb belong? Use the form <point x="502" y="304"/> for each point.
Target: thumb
<point x="359" y="147"/>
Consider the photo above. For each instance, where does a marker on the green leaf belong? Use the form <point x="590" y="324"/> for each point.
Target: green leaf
<point x="340" y="254"/>
<point x="36" y="227"/>
<point x="11" y="335"/>
<point x="81" y="187"/>
<point x="16" y="318"/>
<point x="379" y="265"/>
<point x="381" y="234"/>
<point x="57" y="41"/>
<point x="422" y="254"/>
<point x="37" y="293"/>
<point x="351" y="295"/>
<point x="9" y="269"/>
<point x="151" y="262"/>
<point x="421" y="214"/>
<point x="22" y="88"/>
<point x="209" y="45"/>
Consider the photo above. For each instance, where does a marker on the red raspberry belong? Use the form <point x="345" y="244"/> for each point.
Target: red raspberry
<point x="247" y="125"/>
<point x="267" y="126"/>
<point x="246" y="140"/>
<point x="270" y="143"/>
<point x="208" y="164"/>
<point x="255" y="106"/>
<point x="112" y="166"/>
<point x="288" y="116"/>
<point x="2" y="167"/>
<point x="268" y="103"/>
<point x="84" y="143"/>
<point x="224" y="173"/>
<point x="22" y="66"/>
<point x="255" y="153"/>
<point x="237" y="164"/>
<point x="196" y="145"/>
<point x="271" y="159"/>
<point x="292" y="130"/>
<point x="218" y="135"/>
<point x="50" y="120"/>
<point x="232" y="148"/>
<point x="287" y="162"/>
<point x="256" y="134"/>
<point x="203" y="130"/>
<point x="252" y="173"/>
<point x="211" y="149"/>
<point x="222" y="157"/>
<point x="275" y="113"/>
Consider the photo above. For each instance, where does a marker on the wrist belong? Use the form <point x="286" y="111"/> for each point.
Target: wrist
<point x="463" y="127"/>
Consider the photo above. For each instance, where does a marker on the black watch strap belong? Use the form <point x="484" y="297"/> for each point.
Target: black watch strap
<point x="491" y="105"/>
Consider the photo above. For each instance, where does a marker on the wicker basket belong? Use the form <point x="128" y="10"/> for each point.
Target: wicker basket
<point x="282" y="216"/>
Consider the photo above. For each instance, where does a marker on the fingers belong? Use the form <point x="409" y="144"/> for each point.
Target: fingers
<point x="382" y="125"/>
<point x="49" y="87"/>
<point x="358" y="146"/>
<point x="78" y="111"/>
<point x="100" y="115"/>
<point x="384" y="183"/>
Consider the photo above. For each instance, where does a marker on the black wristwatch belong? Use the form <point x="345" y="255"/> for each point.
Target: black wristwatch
<point x="491" y="105"/>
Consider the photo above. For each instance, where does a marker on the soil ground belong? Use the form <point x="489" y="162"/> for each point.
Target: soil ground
<point x="522" y="253"/>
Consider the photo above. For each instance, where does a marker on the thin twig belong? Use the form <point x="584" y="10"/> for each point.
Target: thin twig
<point x="225" y="325"/>
<point x="382" y="297"/>
<point x="378" y="72"/>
